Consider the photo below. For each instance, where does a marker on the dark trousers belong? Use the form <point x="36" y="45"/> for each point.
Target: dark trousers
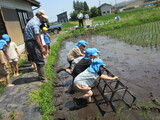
<point x="35" y="52"/>
<point x="35" y="55"/>
<point x="80" y="22"/>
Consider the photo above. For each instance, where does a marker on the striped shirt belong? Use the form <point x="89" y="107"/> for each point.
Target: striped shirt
<point x="86" y="78"/>
<point x="32" y="28"/>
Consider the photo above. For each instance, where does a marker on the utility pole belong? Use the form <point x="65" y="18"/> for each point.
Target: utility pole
<point x="99" y="2"/>
<point x="115" y="4"/>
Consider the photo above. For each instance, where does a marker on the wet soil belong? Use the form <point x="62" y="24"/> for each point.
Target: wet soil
<point x="138" y="68"/>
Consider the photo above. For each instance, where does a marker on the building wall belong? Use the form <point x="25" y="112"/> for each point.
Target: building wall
<point x="16" y="4"/>
<point x="11" y="19"/>
<point x="105" y="10"/>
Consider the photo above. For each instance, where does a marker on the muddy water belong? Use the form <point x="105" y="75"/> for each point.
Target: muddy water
<point x="138" y="68"/>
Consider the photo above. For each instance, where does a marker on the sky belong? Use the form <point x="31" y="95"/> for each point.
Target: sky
<point x="55" y="7"/>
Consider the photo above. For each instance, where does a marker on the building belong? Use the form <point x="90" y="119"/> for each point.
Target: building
<point x="13" y="17"/>
<point x="105" y="9"/>
<point x="62" y="18"/>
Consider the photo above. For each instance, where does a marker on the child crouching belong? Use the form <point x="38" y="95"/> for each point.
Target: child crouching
<point x="86" y="80"/>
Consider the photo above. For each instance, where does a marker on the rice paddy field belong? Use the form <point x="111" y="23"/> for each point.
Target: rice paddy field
<point x="139" y="26"/>
<point x="144" y="35"/>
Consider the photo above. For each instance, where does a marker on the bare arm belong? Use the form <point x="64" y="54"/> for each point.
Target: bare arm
<point x="17" y="52"/>
<point x="106" y="77"/>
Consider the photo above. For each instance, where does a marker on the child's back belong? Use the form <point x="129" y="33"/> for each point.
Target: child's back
<point x="11" y="51"/>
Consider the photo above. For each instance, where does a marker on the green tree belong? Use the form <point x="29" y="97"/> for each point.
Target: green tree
<point x="78" y="5"/>
<point x="73" y="15"/>
<point x="86" y="8"/>
<point x="94" y="11"/>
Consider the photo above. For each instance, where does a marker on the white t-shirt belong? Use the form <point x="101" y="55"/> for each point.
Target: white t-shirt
<point x="42" y="40"/>
<point x="11" y="51"/>
<point x="80" y="16"/>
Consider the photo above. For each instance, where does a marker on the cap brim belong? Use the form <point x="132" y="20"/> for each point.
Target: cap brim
<point x="98" y="51"/>
<point x="95" y="54"/>
<point x="7" y="40"/>
<point x="104" y="64"/>
<point x="45" y="16"/>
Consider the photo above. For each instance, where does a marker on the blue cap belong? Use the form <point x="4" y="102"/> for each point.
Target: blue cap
<point x="94" y="67"/>
<point x="2" y="43"/>
<point x="90" y="51"/>
<point x="96" y="50"/>
<point x="98" y="61"/>
<point x="81" y="42"/>
<point x="5" y="37"/>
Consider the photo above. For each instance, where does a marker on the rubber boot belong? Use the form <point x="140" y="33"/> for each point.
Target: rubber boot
<point x="41" y="72"/>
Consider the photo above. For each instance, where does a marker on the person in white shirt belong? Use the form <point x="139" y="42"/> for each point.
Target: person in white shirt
<point x="80" y="18"/>
<point x="12" y="54"/>
<point x="86" y="16"/>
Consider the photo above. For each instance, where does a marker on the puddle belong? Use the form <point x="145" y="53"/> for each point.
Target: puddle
<point x="138" y="68"/>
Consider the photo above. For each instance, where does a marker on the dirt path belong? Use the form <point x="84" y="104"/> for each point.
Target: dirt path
<point x="15" y="102"/>
<point x="138" y="68"/>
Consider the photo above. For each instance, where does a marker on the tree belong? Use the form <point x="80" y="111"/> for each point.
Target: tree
<point x="73" y="15"/>
<point x="94" y="12"/>
<point x="78" y="5"/>
<point x="86" y="8"/>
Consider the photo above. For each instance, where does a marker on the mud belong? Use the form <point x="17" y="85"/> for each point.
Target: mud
<point x="138" y="68"/>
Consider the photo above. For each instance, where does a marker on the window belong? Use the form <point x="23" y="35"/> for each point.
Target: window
<point x="2" y="26"/>
<point x="22" y="18"/>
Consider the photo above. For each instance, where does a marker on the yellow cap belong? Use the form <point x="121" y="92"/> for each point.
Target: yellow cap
<point x="44" y="28"/>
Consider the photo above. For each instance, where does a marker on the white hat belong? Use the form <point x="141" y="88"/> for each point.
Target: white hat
<point x="43" y="13"/>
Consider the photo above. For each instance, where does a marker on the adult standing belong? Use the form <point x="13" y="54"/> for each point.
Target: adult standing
<point x="33" y="43"/>
<point x="80" y="18"/>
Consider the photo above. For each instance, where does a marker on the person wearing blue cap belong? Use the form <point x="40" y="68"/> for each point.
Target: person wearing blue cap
<point x="84" y="63"/>
<point x="77" y="51"/>
<point x="12" y="54"/>
<point x="3" y="64"/>
<point x="86" y="80"/>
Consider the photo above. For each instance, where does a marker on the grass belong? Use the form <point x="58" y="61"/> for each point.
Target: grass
<point x="138" y="26"/>
<point x="144" y="35"/>
<point x="138" y="29"/>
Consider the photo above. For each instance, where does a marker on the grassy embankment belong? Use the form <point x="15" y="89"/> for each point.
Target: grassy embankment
<point x="138" y="26"/>
<point x="135" y="22"/>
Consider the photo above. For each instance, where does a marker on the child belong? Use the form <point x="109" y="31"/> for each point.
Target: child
<point x="86" y="80"/>
<point x="12" y="54"/>
<point x="3" y="64"/>
<point x="47" y="40"/>
<point x="83" y="64"/>
<point x="91" y="53"/>
<point x="43" y="44"/>
<point x="75" y="53"/>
